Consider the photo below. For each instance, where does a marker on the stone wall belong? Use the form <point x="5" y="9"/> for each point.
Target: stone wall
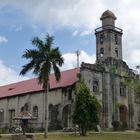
<point x="57" y="98"/>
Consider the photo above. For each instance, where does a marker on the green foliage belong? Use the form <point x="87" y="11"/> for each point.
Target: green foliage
<point x="116" y="125"/>
<point x="42" y="59"/>
<point x="133" y="83"/>
<point x="30" y="129"/>
<point x="85" y="109"/>
<point x="123" y="125"/>
<point x="119" y="125"/>
<point x="138" y="127"/>
<point x="137" y="90"/>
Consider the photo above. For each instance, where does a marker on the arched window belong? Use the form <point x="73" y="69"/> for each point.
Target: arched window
<point x="35" y="111"/>
<point x="116" y="39"/>
<point x="26" y="107"/>
<point x="1" y="115"/>
<point x="101" y="52"/>
<point x="95" y="86"/>
<point x="101" y="38"/>
<point x="65" y="115"/>
<point x="22" y="109"/>
<point x="116" y="52"/>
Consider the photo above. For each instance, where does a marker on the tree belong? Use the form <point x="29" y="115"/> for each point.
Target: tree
<point x="86" y="109"/>
<point x="42" y="60"/>
<point x="134" y="84"/>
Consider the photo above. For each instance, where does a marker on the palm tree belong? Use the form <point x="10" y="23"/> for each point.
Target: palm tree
<point x="42" y="60"/>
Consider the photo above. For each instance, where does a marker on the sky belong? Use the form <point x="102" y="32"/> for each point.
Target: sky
<point x="71" y="22"/>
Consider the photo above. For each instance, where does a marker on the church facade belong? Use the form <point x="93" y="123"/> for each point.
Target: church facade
<point x="105" y="79"/>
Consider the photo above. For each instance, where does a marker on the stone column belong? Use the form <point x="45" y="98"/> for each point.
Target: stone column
<point x="117" y="98"/>
<point x="107" y="100"/>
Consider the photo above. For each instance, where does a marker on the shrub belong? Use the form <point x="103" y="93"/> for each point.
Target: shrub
<point x="30" y="129"/>
<point x="116" y="125"/>
<point x="123" y="125"/>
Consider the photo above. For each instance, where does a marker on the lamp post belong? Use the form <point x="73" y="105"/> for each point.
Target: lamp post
<point x="78" y="52"/>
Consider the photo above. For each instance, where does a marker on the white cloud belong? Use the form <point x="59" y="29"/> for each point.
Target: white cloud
<point x="70" y="59"/>
<point x="87" y="32"/>
<point x="8" y="75"/>
<point x="83" y="16"/>
<point x="3" y="39"/>
<point x="75" y="33"/>
<point x="16" y="28"/>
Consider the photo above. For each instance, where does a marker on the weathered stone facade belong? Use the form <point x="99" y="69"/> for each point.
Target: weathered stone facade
<point x="106" y="78"/>
<point x="59" y="104"/>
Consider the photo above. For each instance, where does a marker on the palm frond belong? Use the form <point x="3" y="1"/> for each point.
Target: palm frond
<point x="56" y="56"/>
<point x="49" y="42"/>
<point x="30" y="54"/>
<point x="38" y="43"/>
<point x="43" y="59"/>
<point x="27" y="68"/>
<point x="56" y="71"/>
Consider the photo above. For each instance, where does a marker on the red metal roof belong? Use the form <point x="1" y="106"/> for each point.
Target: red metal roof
<point x="68" y="78"/>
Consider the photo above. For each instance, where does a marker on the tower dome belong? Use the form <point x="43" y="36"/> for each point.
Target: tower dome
<point x="108" y="13"/>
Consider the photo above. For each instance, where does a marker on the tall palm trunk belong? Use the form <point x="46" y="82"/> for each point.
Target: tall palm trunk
<point x="46" y="111"/>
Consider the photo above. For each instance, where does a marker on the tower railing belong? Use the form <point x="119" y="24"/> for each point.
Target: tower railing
<point x="108" y="27"/>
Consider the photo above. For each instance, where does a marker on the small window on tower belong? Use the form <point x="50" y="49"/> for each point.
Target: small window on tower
<point x="95" y="86"/>
<point x="116" y="39"/>
<point x="101" y="38"/>
<point x="101" y="52"/>
<point x="116" y="52"/>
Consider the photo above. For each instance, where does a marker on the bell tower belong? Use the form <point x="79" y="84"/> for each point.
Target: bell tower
<point x="108" y="38"/>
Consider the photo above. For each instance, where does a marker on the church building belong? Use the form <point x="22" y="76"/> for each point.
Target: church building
<point x="106" y="80"/>
<point x="107" y="77"/>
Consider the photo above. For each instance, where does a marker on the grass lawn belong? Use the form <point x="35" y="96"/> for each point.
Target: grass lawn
<point x="95" y="136"/>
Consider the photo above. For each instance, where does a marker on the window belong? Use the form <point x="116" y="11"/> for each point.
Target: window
<point x="1" y="115"/>
<point x="64" y="91"/>
<point x="11" y="117"/>
<point x="101" y="52"/>
<point x="70" y="94"/>
<point x="26" y="107"/>
<point x="22" y="109"/>
<point x="35" y="111"/>
<point x="116" y="39"/>
<point x="123" y="91"/>
<point x="53" y="115"/>
<point x="101" y="38"/>
<point x="95" y="86"/>
<point x="116" y="52"/>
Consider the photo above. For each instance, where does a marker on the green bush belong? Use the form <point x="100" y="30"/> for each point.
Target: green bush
<point x="138" y="128"/>
<point x="123" y="125"/>
<point x="119" y="125"/>
<point x="116" y="125"/>
<point x="30" y="129"/>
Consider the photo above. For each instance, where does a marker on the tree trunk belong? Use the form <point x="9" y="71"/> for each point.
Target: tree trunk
<point x="46" y="112"/>
<point x="83" y="131"/>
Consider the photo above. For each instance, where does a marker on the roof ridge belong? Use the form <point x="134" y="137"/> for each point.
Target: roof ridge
<point x="18" y="82"/>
